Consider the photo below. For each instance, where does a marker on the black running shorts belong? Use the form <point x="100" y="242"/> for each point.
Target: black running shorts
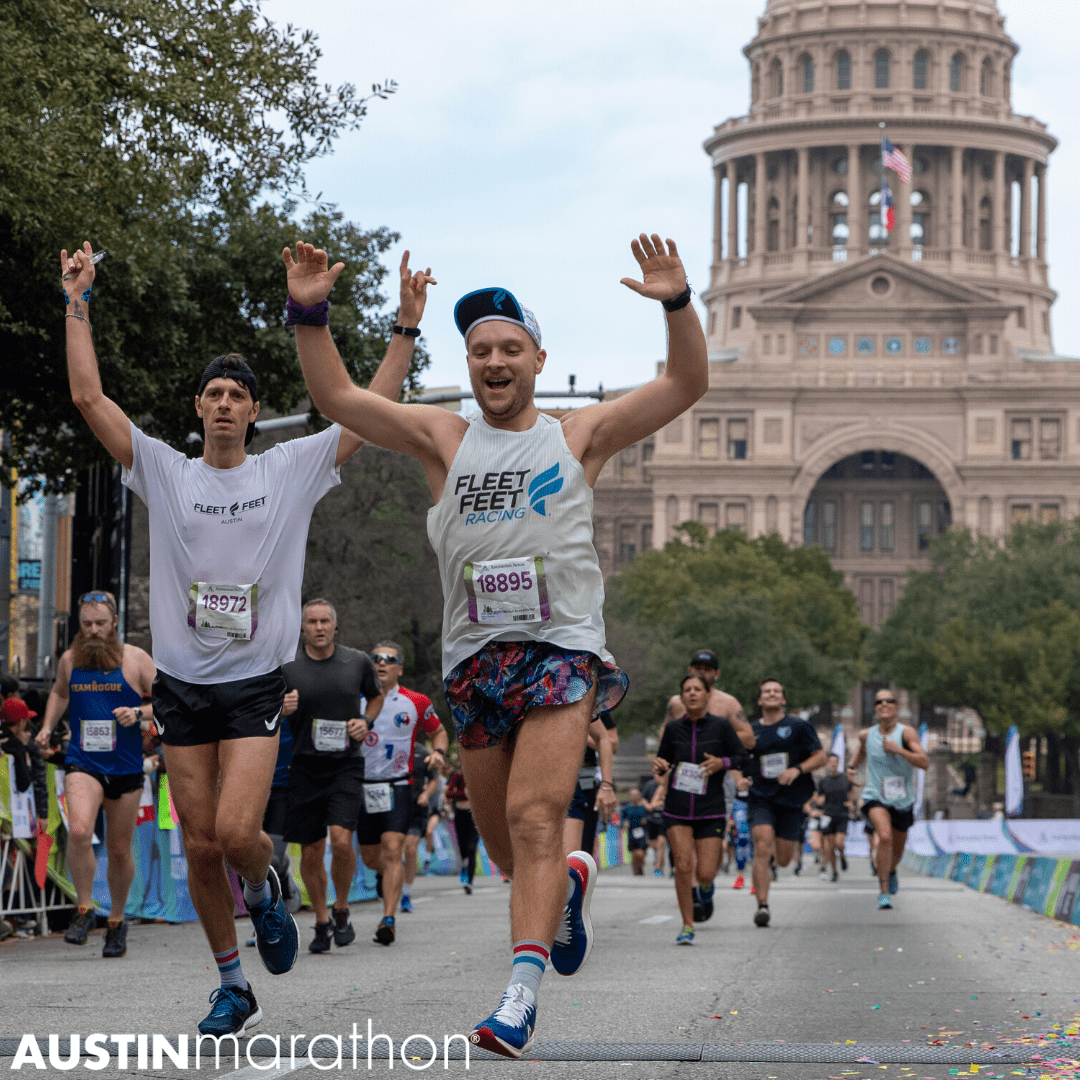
<point x="191" y="714"/>
<point x="704" y="828"/>
<point x="418" y="818"/>
<point x="901" y="820"/>
<point x="370" y="827"/>
<point x="787" y="822"/>
<point x="321" y="792"/>
<point x="837" y="824"/>
<point x="113" y="786"/>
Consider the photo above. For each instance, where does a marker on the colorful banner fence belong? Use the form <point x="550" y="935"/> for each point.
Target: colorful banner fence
<point x="1040" y="883"/>
<point x="1004" y="836"/>
<point x="159" y="889"/>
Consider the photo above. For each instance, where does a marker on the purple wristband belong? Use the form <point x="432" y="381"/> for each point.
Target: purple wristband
<point x="298" y="315"/>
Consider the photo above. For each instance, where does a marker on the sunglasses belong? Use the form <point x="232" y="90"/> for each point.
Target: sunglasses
<point x="97" y="598"/>
<point x="885" y="701"/>
<point x="385" y="658"/>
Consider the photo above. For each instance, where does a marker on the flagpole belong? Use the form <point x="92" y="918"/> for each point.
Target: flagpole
<point x="883" y="214"/>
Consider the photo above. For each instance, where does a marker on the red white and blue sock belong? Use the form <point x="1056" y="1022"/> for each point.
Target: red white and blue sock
<point x="530" y="959"/>
<point x="228" y="965"/>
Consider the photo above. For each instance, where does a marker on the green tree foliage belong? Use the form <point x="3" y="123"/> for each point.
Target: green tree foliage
<point x="154" y="128"/>
<point x="765" y="608"/>
<point x="995" y="626"/>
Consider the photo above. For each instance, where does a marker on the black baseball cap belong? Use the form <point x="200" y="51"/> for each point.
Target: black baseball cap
<point x="493" y="304"/>
<point x="705" y="658"/>
<point x="232" y="366"/>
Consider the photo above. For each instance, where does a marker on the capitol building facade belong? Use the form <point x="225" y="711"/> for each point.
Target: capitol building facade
<point x="867" y="388"/>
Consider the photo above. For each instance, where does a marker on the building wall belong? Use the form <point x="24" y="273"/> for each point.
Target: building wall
<point x="832" y="340"/>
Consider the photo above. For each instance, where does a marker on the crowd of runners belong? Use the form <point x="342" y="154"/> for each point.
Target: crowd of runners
<point x="268" y="743"/>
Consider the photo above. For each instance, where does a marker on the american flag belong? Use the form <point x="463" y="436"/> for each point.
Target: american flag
<point x="891" y="158"/>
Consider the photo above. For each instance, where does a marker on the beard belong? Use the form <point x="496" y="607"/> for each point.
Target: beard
<point x="97" y="654"/>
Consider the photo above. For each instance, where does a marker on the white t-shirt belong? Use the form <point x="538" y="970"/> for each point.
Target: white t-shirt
<point x="227" y="553"/>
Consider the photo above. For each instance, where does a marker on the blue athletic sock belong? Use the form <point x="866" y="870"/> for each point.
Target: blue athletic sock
<point x="228" y="965"/>
<point x="254" y="895"/>
<point x="530" y="958"/>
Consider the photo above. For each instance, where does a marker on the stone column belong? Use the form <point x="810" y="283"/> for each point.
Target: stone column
<point x="997" y="204"/>
<point x="856" y="215"/>
<point x="956" y="206"/>
<point x="718" y="217"/>
<point x="1025" y="208"/>
<point x="733" y="209"/>
<point x="802" y="215"/>
<point x="786" y="239"/>
<point x="1040" y="233"/>
<point x="761" y="219"/>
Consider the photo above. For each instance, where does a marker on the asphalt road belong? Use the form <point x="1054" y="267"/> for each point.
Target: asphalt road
<point x="946" y="965"/>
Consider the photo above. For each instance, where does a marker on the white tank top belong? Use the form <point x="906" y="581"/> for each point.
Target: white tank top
<point x="513" y="533"/>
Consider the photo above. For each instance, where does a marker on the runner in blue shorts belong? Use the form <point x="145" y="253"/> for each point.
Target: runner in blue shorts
<point x="525" y="664"/>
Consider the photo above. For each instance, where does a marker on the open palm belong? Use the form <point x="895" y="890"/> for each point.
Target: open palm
<point x="309" y="275"/>
<point x="663" y="275"/>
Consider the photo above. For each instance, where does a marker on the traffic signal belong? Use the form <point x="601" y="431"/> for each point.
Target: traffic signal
<point x="1029" y="764"/>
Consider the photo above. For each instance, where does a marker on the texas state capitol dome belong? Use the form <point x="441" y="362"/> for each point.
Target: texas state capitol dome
<point x="868" y="389"/>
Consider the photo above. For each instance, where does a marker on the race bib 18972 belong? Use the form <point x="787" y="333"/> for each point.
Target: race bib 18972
<point x="507" y="591"/>
<point x="223" y="611"/>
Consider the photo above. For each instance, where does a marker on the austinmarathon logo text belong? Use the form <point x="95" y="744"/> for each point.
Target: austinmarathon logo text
<point x="505" y="496"/>
<point x="262" y="1052"/>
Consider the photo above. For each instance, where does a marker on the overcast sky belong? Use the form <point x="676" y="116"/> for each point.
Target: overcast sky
<point x="528" y="143"/>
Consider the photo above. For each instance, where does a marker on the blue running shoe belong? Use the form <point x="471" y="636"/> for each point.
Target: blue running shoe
<point x="406" y="903"/>
<point x="883" y="902"/>
<point x="574" y="938"/>
<point x="275" y="930"/>
<point x="233" y="1011"/>
<point x="894" y="884"/>
<point x="384" y="932"/>
<point x="508" y="1031"/>
<point x="686" y="936"/>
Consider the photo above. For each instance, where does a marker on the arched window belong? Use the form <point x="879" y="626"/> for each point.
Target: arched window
<point x="806" y="65"/>
<point x="843" y="70"/>
<point x="772" y="238"/>
<point x="956" y="73"/>
<point x="881" y="69"/>
<point x="984" y="225"/>
<point x="776" y="79"/>
<point x="986" y="78"/>
<point x="839" y="231"/>
<point x="921" y="70"/>
<point x="920" y="218"/>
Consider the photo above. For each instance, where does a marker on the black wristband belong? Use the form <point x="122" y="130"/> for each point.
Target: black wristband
<point x="407" y="331"/>
<point x="677" y="303"/>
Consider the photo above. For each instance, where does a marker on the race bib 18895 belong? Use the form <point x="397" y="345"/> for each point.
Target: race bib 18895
<point x="507" y="591"/>
<point x="223" y="611"/>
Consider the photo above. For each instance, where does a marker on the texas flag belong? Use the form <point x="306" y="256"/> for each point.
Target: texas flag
<point x="891" y="158"/>
<point x="888" y="211"/>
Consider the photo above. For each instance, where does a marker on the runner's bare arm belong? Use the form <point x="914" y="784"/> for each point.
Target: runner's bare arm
<point x="606" y="801"/>
<point x="57" y="700"/>
<point x="424" y="432"/>
<point x="147" y="672"/>
<point x="106" y="419"/>
<point x="389" y="379"/>
<point x="596" y="433"/>
<point x="737" y="719"/>
<point x="916" y="755"/>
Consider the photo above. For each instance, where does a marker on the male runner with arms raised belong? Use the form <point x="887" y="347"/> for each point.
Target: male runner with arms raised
<point x="228" y="534"/>
<point x="524" y="661"/>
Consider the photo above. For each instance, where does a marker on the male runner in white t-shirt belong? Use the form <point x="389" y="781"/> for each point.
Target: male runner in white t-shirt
<point x="523" y="673"/>
<point x="227" y="541"/>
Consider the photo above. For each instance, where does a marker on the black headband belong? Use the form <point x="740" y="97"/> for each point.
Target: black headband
<point x="235" y="368"/>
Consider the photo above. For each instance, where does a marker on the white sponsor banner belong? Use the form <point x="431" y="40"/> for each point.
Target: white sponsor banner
<point x="1014" y="777"/>
<point x="1049" y="836"/>
<point x="920" y="774"/>
<point x="857" y="845"/>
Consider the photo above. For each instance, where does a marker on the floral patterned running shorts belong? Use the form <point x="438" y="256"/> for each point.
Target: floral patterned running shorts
<point x="490" y="692"/>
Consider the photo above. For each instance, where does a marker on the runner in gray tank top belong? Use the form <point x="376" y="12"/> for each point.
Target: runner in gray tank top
<point x="525" y="666"/>
<point x="892" y="753"/>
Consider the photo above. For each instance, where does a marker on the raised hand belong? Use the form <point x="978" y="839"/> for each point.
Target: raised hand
<point x="77" y="273"/>
<point x="413" y="292"/>
<point x="310" y="277"/>
<point x="661" y="268"/>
